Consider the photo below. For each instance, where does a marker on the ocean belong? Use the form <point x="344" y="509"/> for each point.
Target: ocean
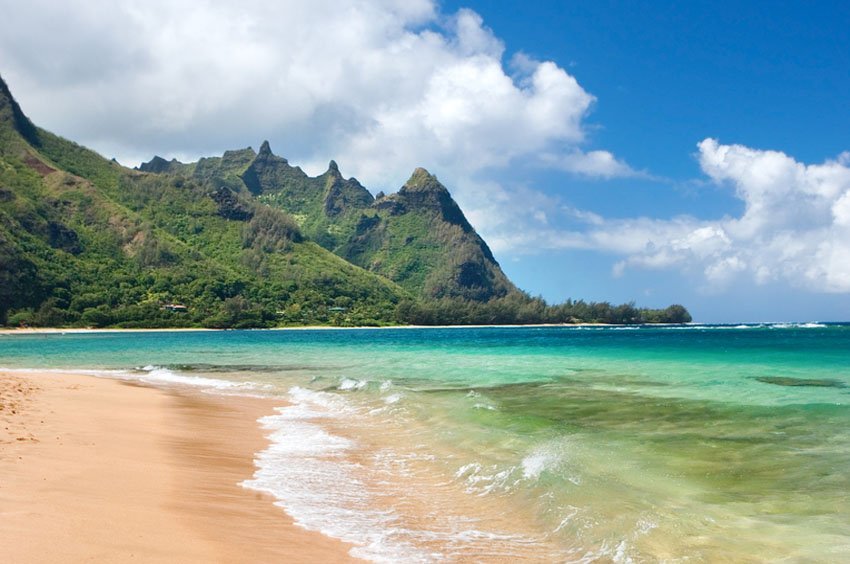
<point x="700" y="443"/>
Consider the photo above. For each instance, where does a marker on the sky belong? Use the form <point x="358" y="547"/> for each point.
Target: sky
<point x="656" y="152"/>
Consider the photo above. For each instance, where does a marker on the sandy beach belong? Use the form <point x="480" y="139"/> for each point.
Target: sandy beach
<point x="100" y="470"/>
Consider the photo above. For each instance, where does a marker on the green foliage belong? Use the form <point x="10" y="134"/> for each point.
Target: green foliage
<point x="86" y="242"/>
<point x="420" y="238"/>
<point x="673" y="314"/>
<point x="520" y="309"/>
<point x="105" y="246"/>
<point x="270" y="231"/>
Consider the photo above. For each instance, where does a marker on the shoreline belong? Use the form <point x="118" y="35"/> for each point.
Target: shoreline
<point x="80" y="330"/>
<point x="83" y="330"/>
<point x="95" y="468"/>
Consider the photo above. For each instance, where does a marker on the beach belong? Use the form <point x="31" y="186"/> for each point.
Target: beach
<point x="706" y="443"/>
<point x="98" y="469"/>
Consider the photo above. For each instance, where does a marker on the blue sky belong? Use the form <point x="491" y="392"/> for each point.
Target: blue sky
<point x="690" y="152"/>
<point x="665" y="77"/>
<point x="667" y="74"/>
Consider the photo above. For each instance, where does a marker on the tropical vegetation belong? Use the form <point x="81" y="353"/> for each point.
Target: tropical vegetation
<point x="242" y="240"/>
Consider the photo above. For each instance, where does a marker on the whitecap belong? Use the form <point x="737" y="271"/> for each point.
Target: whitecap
<point x="543" y="458"/>
<point x="159" y="375"/>
<point x="151" y="374"/>
<point x="482" y="480"/>
<point x="306" y="469"/>
<point x="348" y="384"/>
<point x="810" y="325"/>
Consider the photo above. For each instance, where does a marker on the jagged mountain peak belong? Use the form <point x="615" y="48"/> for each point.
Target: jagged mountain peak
<point x="451" y="260"/>
<point x="423" y="191"/>
<point x="333" y="168"/>
<point x="159" y="165"/>
<point x="266" y="156"/>
<point x="420" y="180"/>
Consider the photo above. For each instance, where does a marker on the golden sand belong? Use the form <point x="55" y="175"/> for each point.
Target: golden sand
<point x="99" y="470"/>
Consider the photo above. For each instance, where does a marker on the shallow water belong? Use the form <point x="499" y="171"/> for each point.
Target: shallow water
<point x="700" y="443"/>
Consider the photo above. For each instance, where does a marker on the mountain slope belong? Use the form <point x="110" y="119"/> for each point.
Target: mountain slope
<point x="420" y="238"/>
<point x="326" y="207"/>
<point x="86" y="241"/>
<point x="241" y="240"/>
<point x="417" y="237"/>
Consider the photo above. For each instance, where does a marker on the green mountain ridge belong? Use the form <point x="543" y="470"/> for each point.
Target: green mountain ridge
<point x="86" y="241"/>
<point x="421" y="225"/>
<point x="241" y="240"/>
<point x="417" y="237"/>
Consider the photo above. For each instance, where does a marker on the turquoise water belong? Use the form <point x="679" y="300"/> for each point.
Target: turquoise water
<point x="697" y="443"/>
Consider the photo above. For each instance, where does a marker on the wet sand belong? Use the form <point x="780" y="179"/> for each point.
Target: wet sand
<point x="100" y="470"/>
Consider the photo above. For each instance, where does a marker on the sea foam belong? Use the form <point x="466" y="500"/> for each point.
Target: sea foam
<point x="541" y="459"/>
<point x="325" y="483"/>
<point x="348" y="384"/>
<point x="160" y="375"/>
<point x="306" y="468"/>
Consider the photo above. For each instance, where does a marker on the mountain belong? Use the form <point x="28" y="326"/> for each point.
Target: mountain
<point x="86" y="241"/>
<point x="241" y="240"/>
<point x="417" y="237"/>
<point x="420" y="238"/>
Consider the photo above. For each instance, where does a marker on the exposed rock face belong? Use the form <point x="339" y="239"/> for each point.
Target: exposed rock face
<point x="64" y="238"/>
<point x="391" y="204"/>
<point x="424" y="192"/>
<point x="343" y="195"/>
<point x="229" y="206"/>
<point x="268" y="171"/>
<point x="38" y="166"/>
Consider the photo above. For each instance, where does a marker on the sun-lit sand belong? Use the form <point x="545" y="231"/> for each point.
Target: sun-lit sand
<point x="99" y="470"/>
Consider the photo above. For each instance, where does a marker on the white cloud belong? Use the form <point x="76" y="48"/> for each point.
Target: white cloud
<point x="795" y="227"/>
<point x="599" y="164"/>
<point x="472" y="38"/>
<point x="388" y="85"/>
<point x="381" y="86"/>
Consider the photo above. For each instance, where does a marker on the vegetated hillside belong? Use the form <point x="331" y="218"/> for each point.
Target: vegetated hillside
<point x="417" y="237"/>
<point x="84" y="241"/>
<point x="420" y="238"/>
<point x="241" y="240"/>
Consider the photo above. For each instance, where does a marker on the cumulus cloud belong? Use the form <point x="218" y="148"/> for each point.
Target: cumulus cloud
<point x="600" y="164"/>
<point x="388" y="85"/>
<point x="795" y="227"/>
<point x="381" y="86"/>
